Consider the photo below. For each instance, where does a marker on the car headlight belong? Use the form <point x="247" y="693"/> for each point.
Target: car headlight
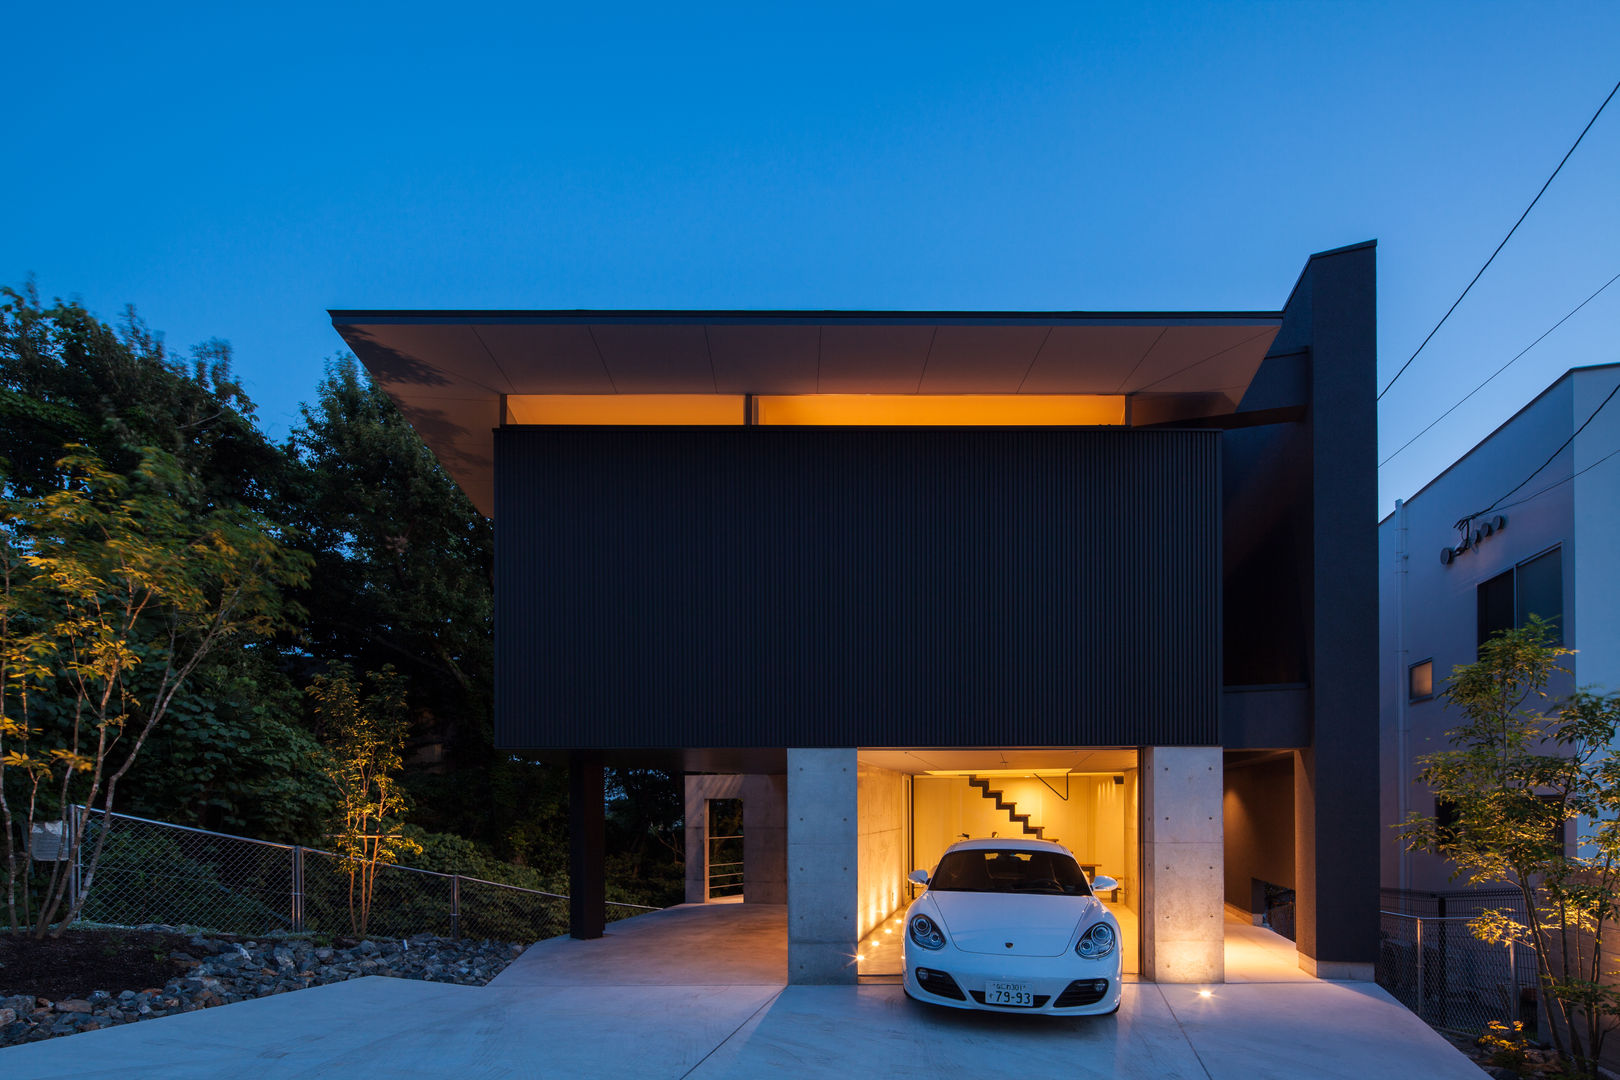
<point x="1096" y="942"/>
<point x="924" y="932"/>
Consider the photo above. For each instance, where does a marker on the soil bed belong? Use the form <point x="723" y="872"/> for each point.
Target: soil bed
<point x="81" y="961"/>
<point x="96" y="977"/>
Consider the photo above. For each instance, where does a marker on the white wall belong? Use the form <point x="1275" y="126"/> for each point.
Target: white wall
<point x="1595" y="604"/>
<point x="882" y="842"/>
<point x="1091" y="822"/>
<point x="1433" y="616"/>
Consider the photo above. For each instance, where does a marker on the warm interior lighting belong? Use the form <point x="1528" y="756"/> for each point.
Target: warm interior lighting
<point x="942" y="410"/>
<point x="855" y="410"/>
<point x="631" y="409"/>
<point x="1007" y="772"/>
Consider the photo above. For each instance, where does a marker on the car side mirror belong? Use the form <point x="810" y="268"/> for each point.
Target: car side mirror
<point x="919" y="876"/>
<point x="1103" y="883"/>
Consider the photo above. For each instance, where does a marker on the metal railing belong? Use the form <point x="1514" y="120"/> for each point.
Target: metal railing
<point x="1436" y="967"/>
<point x="155" y="872"/>
<point x="724" y="875"/>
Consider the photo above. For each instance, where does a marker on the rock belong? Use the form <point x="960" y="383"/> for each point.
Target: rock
<point x="73" y="1005"/>
<point x="7" y="1017"/>
<point x="369" y="947"/>
<point x="184" y="959"/>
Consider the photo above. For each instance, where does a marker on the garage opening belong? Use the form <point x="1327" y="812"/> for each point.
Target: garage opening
<point x="914" y="803"/>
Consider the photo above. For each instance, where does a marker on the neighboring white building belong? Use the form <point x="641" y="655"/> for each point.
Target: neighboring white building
<point x="1545" y="542"/>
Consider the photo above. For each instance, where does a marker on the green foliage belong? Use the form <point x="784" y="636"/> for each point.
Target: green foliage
<point x="1506" y="1044"/>
<point x="1516" y="775"/>
<point x="116" y="587"/>
<point x="399" y="569"/>
<point x="403" y="563"/>
<point x="364" y="733"/>
<point x="234" y="756"/>
<point x="66" y="377"/>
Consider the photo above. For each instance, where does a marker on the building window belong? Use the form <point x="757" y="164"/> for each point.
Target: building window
<point x="1539" y="590"/>
<point x="1534" y="587"/>
<point x="1420" y="681"/>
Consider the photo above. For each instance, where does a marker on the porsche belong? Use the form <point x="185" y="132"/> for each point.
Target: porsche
<point x="1012" y="926"/>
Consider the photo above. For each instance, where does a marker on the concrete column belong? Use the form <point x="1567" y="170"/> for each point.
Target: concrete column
<point x="764" y="839"/>
<point x="587" y="879"/>
<point x="821" y="865"/>
<point x="1183" y="888"/>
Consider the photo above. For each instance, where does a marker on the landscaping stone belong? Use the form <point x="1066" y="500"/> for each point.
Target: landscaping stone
<point x="220" y="971"/>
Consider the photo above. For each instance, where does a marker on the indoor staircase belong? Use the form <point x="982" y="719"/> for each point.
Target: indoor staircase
<point x="1022" y="820"/>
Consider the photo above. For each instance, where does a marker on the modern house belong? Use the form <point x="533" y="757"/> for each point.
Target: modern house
<point x="891" y="578"/>
<point x="1524" y="523"/>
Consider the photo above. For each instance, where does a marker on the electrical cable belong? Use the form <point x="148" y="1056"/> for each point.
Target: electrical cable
<point x="1559" y="483"/>
<point x="1498" y="371"/>
<point x="1550" y="459"/>
<point x="1503" y="244"/>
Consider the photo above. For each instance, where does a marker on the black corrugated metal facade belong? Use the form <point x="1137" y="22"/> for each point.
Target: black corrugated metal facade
<point x="784" y="586"/>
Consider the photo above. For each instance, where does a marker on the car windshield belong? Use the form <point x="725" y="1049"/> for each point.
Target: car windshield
<point x="1007" y="870"/>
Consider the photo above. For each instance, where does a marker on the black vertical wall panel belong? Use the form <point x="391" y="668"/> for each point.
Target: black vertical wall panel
<point x="774" y="586"/>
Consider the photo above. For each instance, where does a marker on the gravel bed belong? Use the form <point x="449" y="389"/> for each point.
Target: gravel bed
<point x="221" y="970"/>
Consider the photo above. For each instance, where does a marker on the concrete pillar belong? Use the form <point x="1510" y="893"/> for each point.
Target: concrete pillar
<point x="821" y="865"/>
<point x="587" y="879"/>
<point x="764" y="839"/>
<point x="1183" y="887"/>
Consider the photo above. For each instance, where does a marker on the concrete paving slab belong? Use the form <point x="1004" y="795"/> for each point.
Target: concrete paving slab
<point x="383" y="1028"/>
<point x="1255" y="954"/>
<point x="686" y="945"/>
<point x="836" y="1032"/>
<point x="699" y="991"/>
<point x="1327" y="1030"/>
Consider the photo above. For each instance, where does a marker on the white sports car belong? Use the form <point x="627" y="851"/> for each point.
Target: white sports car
<point x="1012" y="925"/>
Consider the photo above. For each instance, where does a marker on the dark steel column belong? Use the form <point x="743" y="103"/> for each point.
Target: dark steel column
<point x="587" y="899"/>
<point x="1336" y="782"/>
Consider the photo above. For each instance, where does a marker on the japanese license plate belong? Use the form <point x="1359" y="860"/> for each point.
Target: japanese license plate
<point x="1008" y="993"/>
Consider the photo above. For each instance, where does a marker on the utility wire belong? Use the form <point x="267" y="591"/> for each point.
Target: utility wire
<point x="1550" y="459"/>
<point x="1503" y="244"/>
<point x="1498" y="371"/>
<point x="1559" y="483"/>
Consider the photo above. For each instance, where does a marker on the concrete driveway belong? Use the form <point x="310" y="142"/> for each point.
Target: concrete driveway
<point x="698" y="991"/>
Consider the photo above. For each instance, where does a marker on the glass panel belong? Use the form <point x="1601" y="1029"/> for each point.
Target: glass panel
<point x="1495" y="605"/>
<point x="1420" y="680"/>
<point x="1541" y="591"/>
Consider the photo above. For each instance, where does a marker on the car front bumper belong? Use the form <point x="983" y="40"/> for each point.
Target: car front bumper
<point x="1051" y="979"/>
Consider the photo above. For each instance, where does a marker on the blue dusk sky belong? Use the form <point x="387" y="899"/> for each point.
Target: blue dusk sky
<point x="234" y="170"/>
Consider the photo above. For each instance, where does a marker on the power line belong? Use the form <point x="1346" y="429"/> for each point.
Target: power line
<point x="1503" y="244"/>
<point x="1550" y="459"/>
<point x="1560" y="483"/>
<point x="1498" y="371"/>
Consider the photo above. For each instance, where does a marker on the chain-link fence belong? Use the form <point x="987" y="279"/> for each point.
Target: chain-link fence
<point x="154" y="872"/>
<point x="1436" y="967"/>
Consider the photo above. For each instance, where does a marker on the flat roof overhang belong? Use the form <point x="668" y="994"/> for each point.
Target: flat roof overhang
<point x="451" y="372"/>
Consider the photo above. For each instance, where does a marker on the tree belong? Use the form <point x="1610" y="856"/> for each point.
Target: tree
<point x="403" y="562"/>
<point x="234" y="753"/>
<point x="1516" y="775"/>
<point x="67" y="377"/>
<point x="365" y="733"/>
<point x="117" y="588"/>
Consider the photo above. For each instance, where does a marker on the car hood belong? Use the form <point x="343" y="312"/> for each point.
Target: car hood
<point x="1016" y="924"/>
